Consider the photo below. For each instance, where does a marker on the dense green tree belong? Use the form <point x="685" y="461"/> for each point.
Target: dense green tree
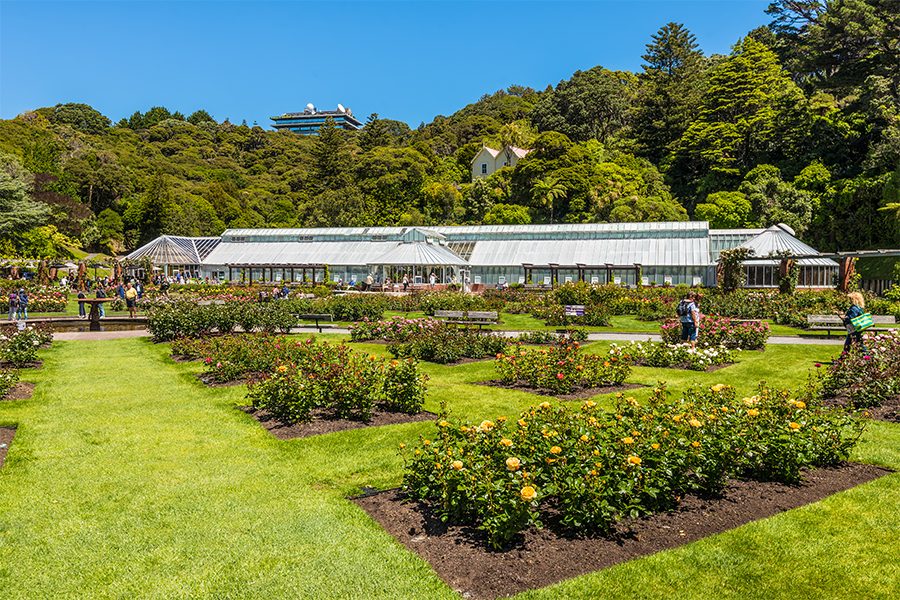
<point x="332" y="159"/>
<point x="18" y="212"/>
<point x="200" y="116"/>
<point x="111" y="231"/>
<point x="774" y="200"/>
<point x="752" y="113"/>
<point x="670" y="89"/>
<point x="547" y="192"/>
<point x="593" y="104"/>
<point x="725" y="210"/>
<point x="82" y="117"/>
<point x="507" y="214"/>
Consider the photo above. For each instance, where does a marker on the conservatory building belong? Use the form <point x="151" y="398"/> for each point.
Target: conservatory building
<point x="665" y="253"/>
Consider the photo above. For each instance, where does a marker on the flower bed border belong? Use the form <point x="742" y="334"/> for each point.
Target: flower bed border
<point x="23" y="390"/>
<point x="321" y="424"/>
<point x="577" y="394"/>
<point x="463" y="560"/>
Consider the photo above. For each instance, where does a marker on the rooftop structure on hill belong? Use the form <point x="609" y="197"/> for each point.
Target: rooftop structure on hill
<point x="311" y="120"/>
<point x="488" y="160"/>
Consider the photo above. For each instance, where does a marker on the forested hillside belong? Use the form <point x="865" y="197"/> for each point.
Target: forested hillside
<point x="799" y="124"/>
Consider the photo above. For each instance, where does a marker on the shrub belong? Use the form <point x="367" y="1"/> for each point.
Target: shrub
<point x="19" y="347"/>
<point x="560" y="369"/>
<point x="445" y="344"/>
<point x="592" y="468"/>
<point x="337" y="380"/>
<point x="398" y="329"/>
<point x="721" y="331"/>
<point x="679" y="356"/>
<point x="8" y="380"/>
<point x="864" y="377"/>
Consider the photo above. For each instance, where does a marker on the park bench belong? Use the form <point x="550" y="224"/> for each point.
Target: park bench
<point x="471" y="317"/>
<point x="317" y="318"/>
<point x="827" y="323"/>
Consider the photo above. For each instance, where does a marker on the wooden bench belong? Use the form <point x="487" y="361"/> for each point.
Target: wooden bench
<point x="827" y="323"/>
<point x="472" y="317"/>
<point x="317" y="319"/>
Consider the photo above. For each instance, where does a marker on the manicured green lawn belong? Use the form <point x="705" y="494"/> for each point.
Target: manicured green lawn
<point x="128" y="477"/>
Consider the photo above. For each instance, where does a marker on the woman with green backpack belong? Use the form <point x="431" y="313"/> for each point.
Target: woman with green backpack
<point x="856" y="322"/>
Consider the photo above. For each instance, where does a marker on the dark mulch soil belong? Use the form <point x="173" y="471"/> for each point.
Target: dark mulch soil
<point x="35" y="364"/>
<point x="209" y="380"/>
<point x="6" y="437"/>
<point x="542" y="557"/>
<point x="181" y="358"/>
<point x="21" y="391"/>
<point x="323" y="422"/>
<point x="888" y="410"/>
<point x="578" y="394"/>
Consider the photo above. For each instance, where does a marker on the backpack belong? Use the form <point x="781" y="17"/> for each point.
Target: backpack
<point x="683" y="308"/>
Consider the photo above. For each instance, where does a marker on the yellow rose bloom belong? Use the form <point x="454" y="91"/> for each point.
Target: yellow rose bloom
<point x="522" y="423"/>
<point x="584" y="438"/>
<point x="800" y="404"/>
<point x="486" y="426"/>
<point x="718" y="387"/>
<point x="555" y="450"/>
<point x="794" y="426"/>
<point x="544" y="405"/>
<point x="654" y="446"/>
<point x="695" y="423"/>
<point x="427" y="442"/>
<point x="457" y="465"/>
<point x="282" y="368"/>
<point x="753" y="412"/>
<point x="528" y="493"/>
<point x="443" y="424"/>
<point x="627" y="440"/>
<point x="506" y="442"/>
<point x="513" y="463"/>
<point x="695" y="444"/>
<point x="635" y="460"/>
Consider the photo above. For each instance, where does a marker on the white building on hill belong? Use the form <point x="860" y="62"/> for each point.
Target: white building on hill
<point x="489" y="160"/>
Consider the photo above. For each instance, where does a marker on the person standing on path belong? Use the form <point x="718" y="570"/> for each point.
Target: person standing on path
<point x="23" y="304"/>
<point x="131" y="300"/>
<point x="13" y="305"/>
<point x="81" y="311"/>
<point x="688" y="313"/>
<point x="100" y="293"/>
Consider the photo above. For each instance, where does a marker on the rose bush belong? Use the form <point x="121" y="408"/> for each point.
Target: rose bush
<point x="561" y="369"/>
<point x="8" y="380"/>
<point x="721" y="331"/>
<point x="593" y="467"/>
<point x="18" y="347"/>
<point x="445" y="344"/>
<point x="678" y="356"/>
<point x="864" y="377"/>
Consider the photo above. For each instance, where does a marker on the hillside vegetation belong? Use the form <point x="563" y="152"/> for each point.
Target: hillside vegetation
<point x="786" y="128"/>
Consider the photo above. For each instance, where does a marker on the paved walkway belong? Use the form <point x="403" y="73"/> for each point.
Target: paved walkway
<point x="596" y="336"/>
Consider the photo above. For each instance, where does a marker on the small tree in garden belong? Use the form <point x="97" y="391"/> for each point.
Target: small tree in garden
<point x="731" y="268"/>
<point x="788" y="274"/>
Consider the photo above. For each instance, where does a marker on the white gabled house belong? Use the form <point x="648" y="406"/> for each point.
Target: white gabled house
<point x="489" y="160"/>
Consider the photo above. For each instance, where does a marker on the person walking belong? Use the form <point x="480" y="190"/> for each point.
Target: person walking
<point x="81" y="310"/>
<point x="857" y="308"/>
<point x="131" y="296"/>
<point x="688" y="312"/>
<point x="432" y="279"/>
<point x="405" y="281"/>
<point x="23" y="304"/>
<point x="100" y="293"/>
<point x="13" y="305"/>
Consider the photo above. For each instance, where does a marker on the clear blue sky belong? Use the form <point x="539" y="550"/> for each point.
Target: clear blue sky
<point x="250" y="60"/>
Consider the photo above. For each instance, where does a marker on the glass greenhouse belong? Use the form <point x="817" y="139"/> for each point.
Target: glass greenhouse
<point x="488" y="255"/>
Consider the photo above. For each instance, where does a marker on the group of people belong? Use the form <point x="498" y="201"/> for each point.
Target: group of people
<point x="18" y="305"/>
<point x="688" y="313"/>
<point x="129" y="292"/>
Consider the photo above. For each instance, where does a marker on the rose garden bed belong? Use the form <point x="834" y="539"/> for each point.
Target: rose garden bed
<point x="23" y="390"/>
<point x="540" y="557"/>
<point x="579" y="393"/>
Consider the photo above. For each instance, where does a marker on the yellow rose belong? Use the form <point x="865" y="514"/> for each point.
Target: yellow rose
<point x="282" y="369"/>
<point x="528" y="493"/>
<point x="457" y="465"/>
<point x="654" y="446"/>
<point x="544" y="405"/>
<point x="506" y="442"/>
<point x="513" y="463"/>
<point x="486" y="426"/>
<point x="627" y="440"/>
<point x="800" y="404"/>
<point x="522" y="423"/>
<point x="584" y="438"/>
<point x="402" y="445"/>
<point x="555" y="450"/>
<point x="427" y="442"/>
<point x="443" y="424"/>
<point x="677" y="418"/>
<point x="718" y="387"/>
<point x="794" y="426"/>
<point x="635" y="460"/>
<point x="589" y="404"/>
<point x="695" y="423"/>
<point x="753" y="412"/>
<point x="695" y="444"/>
